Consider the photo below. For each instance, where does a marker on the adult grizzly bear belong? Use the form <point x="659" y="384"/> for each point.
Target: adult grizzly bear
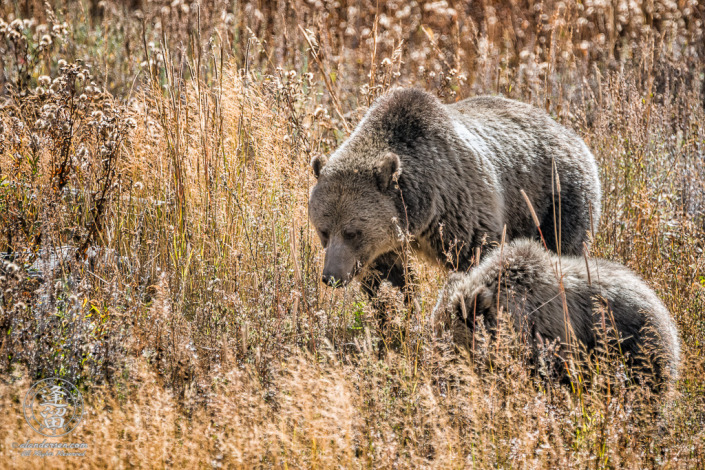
<point x="601" y="298"/>
<point x="449" y="176"/>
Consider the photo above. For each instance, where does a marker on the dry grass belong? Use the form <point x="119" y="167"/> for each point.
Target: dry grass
<point x="161" y="258"/>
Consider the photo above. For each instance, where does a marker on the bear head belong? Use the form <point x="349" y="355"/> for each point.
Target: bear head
<point x="354" y="212"/>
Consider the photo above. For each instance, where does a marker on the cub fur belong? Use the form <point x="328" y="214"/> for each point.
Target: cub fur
<point x="524" y="280"/>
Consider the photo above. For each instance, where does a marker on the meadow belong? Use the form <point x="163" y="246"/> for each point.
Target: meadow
<point x="156" y="249"/>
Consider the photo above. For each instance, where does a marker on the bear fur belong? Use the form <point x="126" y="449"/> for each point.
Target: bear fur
<point x="446" y="179"/>
<point x="602" y="298"/>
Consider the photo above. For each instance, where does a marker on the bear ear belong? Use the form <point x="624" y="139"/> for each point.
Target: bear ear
<point x="476" y="304"/>
<point x="317" y="163"/>
<point x="387" y="169"/>
<point x="483" y="300"/>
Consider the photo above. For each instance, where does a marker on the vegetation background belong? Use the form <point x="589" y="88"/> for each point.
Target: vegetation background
<point x="156" y="250"/>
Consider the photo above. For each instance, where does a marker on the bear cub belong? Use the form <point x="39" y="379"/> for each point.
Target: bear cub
<point x="523" y="280"/>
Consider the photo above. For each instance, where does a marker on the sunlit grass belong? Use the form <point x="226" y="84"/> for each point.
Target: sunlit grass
<point x="196" y="325"/>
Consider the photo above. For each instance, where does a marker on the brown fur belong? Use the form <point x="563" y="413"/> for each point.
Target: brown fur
<point x="524" y="280"/>
<point x="448" y="178"/>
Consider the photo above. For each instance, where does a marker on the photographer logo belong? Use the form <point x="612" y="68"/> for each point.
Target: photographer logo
<point x="53" y="407"/>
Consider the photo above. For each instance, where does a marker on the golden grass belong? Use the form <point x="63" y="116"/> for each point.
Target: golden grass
<point x="202" y="337"/>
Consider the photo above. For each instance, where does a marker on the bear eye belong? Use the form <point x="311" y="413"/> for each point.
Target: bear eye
<point x="324" y="237"/>
<point x="351" y="234"/>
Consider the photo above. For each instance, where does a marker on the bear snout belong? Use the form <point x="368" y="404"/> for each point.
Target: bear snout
<point x="338" y="266"/>
<point x="332" y="280"/>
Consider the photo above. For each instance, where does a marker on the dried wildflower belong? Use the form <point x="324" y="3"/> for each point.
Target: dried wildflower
<point x="320" y="111"/>
<point x="12" y="268"/>
<point x="60" y="29"/>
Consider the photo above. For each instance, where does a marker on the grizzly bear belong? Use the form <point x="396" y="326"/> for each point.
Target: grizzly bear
<point x="446" y="180"/>
<point x="539" y="290"/>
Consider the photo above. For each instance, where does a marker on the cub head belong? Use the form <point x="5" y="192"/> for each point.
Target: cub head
<point x="354" y="213"/>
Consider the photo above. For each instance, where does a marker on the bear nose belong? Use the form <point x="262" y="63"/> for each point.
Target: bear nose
<point x="331" y="280"/>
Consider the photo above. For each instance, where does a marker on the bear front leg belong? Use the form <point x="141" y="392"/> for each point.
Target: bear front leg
<point x="388" y="267"/>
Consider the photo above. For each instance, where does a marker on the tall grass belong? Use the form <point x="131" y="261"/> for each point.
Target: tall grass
<point x="153" y="214"/>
